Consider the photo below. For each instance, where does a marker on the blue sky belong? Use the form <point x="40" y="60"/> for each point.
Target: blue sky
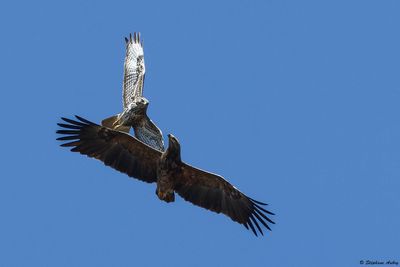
<point x="294" y="102"/>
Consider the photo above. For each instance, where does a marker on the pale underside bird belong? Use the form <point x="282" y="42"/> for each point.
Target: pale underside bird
<point x="135" y="106"/>
<point x="128" y="155"/>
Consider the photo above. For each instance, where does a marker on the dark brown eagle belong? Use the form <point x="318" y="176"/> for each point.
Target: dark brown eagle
<point x="129" y="155"/>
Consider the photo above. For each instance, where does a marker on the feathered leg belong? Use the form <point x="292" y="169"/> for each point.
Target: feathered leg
<point x="113" y="123"/>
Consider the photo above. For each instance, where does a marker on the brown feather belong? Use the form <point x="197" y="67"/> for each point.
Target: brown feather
<point x="212" y="192"/>
<point x="115" y="149"/>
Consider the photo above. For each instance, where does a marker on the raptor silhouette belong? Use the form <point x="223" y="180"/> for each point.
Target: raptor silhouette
<point x="133" y="157"/>
<point x="135" y="106"/>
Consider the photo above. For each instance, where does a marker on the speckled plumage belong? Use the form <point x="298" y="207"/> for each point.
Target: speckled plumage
<point x="134" y="112"/>
<point x="134" y="70"/>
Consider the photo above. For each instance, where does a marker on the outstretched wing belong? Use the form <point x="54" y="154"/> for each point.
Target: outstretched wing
<point x="214" y="193"/>
<point x="134" y="69"/>
<point x="115" y="149"/>
<point x="150" y="134"/>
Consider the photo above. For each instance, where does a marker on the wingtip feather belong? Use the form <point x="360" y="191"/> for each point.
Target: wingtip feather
<point x="258" y="202"/>
<point x="84" y="120"/>
<point x="256" y="224"/>
<point x="252" y="227"/>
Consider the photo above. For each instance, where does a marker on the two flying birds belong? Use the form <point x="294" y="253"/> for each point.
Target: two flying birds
<point x="143" y="156"/>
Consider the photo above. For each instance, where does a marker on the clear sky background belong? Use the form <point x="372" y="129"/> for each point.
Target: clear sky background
<point x="294" y="102"/>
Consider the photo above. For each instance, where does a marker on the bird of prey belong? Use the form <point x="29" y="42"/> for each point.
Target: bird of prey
<point x="128" y="155"/>
<point x="135" y="106"/>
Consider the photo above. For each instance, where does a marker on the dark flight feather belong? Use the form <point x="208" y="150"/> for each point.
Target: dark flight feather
<point x="116" y="149"/>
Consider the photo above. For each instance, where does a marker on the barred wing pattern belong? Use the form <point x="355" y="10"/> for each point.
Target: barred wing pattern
<point x="134" y="69"/>
<point x="150" y="134"/>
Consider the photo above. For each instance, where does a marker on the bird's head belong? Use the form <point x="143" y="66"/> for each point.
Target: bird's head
<point x="139" y="106"/>
<point x="173" y="141"/>
<point x="142" y="102"/>
<point x="174" y="147"/>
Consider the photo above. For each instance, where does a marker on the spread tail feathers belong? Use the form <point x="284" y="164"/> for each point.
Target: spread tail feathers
<point x="112" y="123"/>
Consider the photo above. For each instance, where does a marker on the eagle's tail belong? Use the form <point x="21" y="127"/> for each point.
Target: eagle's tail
<point x="112" y="123"/>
